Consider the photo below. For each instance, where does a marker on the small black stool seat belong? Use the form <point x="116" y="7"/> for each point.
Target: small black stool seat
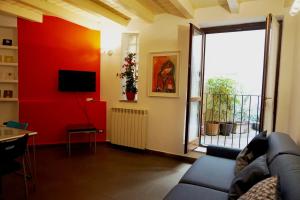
<point x="82" y="129"/>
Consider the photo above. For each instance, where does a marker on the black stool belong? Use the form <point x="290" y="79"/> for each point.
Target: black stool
<point x="82" y="129"/>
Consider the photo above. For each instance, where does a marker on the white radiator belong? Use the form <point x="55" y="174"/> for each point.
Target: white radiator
<point x="129" y="127"/>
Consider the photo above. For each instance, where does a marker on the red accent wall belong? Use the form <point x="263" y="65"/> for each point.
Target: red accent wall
<point x="44" y="48"/>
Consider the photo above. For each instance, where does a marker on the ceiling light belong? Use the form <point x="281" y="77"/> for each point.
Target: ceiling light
<point x="295" y="7"/>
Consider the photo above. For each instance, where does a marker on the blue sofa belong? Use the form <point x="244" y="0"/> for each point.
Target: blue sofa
<point x="210" y="177"/>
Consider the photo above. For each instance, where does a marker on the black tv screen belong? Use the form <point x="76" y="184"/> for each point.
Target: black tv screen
<point x="76" y="81"/>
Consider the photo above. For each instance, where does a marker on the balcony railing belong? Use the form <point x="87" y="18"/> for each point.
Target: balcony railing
<point x="229" y="120"/>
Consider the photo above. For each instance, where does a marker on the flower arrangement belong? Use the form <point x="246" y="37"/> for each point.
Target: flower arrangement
<point x="129" y="73"/>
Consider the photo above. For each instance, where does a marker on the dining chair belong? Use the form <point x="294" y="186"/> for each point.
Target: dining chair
<point x="12" y="158"/>
<point x="24" y="126"/>
<point x="14" y="124"/>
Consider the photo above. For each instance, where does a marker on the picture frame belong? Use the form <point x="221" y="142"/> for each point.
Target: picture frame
<point x="163" y="79"/>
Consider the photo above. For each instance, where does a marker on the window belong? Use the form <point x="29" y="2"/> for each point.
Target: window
<point x="129" y="45"/>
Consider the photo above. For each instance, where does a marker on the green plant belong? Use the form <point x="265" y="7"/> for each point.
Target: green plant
<point x="254" y="118"/>
<point x="245" y="110"/>
<point x="241" y="115"/>
<point x="221" y="98"/>
<point x="129" y="73"/>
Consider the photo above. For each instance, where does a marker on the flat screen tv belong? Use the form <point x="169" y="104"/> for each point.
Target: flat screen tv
<point x="76" y="81"/>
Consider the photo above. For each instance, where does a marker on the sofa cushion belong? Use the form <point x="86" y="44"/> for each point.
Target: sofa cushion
<point x="266" y="189"/>
<point x="257" y="147"/>
<point x="223" y="152"/>
<point x="249" y="176"/>
<point x="287" y="168"/>
<point x="280" y="143"/>
<point x="191" y="192"/>
<point x="211" y="172"/>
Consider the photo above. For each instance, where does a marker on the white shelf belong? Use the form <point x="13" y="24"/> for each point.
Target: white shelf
<point x="9" y="81"/>
<point x="8" y="99"/>
<point x="9" y="109"/>
<point x="11" y="27"/>
<point x="9" y="64"/>
<point x="8" y="47"/>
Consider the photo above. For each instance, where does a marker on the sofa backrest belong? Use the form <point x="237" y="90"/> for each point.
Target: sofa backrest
<point x="287" y="168"/>
<point x="280" y="143"/>
<point x="284" y="161"/>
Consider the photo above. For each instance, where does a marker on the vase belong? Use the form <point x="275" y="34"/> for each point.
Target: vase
<point x="130" y="96"/>
<point x="226" y="128"/>
<point x="212" y="128"/>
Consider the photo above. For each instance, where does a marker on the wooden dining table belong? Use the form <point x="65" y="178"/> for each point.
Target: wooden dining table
<point x="8" y="133"/>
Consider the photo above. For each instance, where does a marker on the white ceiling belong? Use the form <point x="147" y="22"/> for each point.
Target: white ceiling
<point x="90" y="13"/>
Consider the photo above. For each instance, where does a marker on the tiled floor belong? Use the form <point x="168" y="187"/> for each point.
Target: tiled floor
<point x="196" y="154"/>
<point x="110" y="174"/>
<point x="232" y="141"/>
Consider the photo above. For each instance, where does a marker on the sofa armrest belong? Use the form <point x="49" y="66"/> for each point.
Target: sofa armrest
<point x="224" y="152"/>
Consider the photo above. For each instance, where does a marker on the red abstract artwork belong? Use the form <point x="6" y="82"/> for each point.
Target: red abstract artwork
<point x="164" y="74"/>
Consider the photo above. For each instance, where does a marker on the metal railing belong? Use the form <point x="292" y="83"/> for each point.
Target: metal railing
<point x="229" y="120"/>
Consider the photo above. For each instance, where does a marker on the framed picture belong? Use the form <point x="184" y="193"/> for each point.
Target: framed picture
<point x="164" y="74"/>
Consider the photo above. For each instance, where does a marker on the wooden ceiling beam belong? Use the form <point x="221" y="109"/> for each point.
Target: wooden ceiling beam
<point x="233" y="5"/>
<point x="15" y="10"/>
<point x="184" y="7"/>
<point x="138" y="9"/>
<point x="95" y="8"/>
<point x="62" y="13"/>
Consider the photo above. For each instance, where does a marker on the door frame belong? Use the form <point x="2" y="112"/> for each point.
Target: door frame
<point x="223" y="29"/>
<point x="265" y="72"/>
<point x="235" y="28"/>
<point x="187" y="120"/>
<point x="277" y="78"/>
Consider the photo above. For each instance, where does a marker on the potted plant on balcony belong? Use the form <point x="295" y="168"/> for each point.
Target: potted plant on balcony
<point x="241" y="117"/>
<point x="129" y="75"/>
<point x="220" y="105"/>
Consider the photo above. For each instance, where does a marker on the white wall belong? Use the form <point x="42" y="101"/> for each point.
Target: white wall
<point x="294" y="125"/>
<point x="167" y="115"/>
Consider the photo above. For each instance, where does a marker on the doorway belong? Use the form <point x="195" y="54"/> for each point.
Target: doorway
<point x="228" y="84"/>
